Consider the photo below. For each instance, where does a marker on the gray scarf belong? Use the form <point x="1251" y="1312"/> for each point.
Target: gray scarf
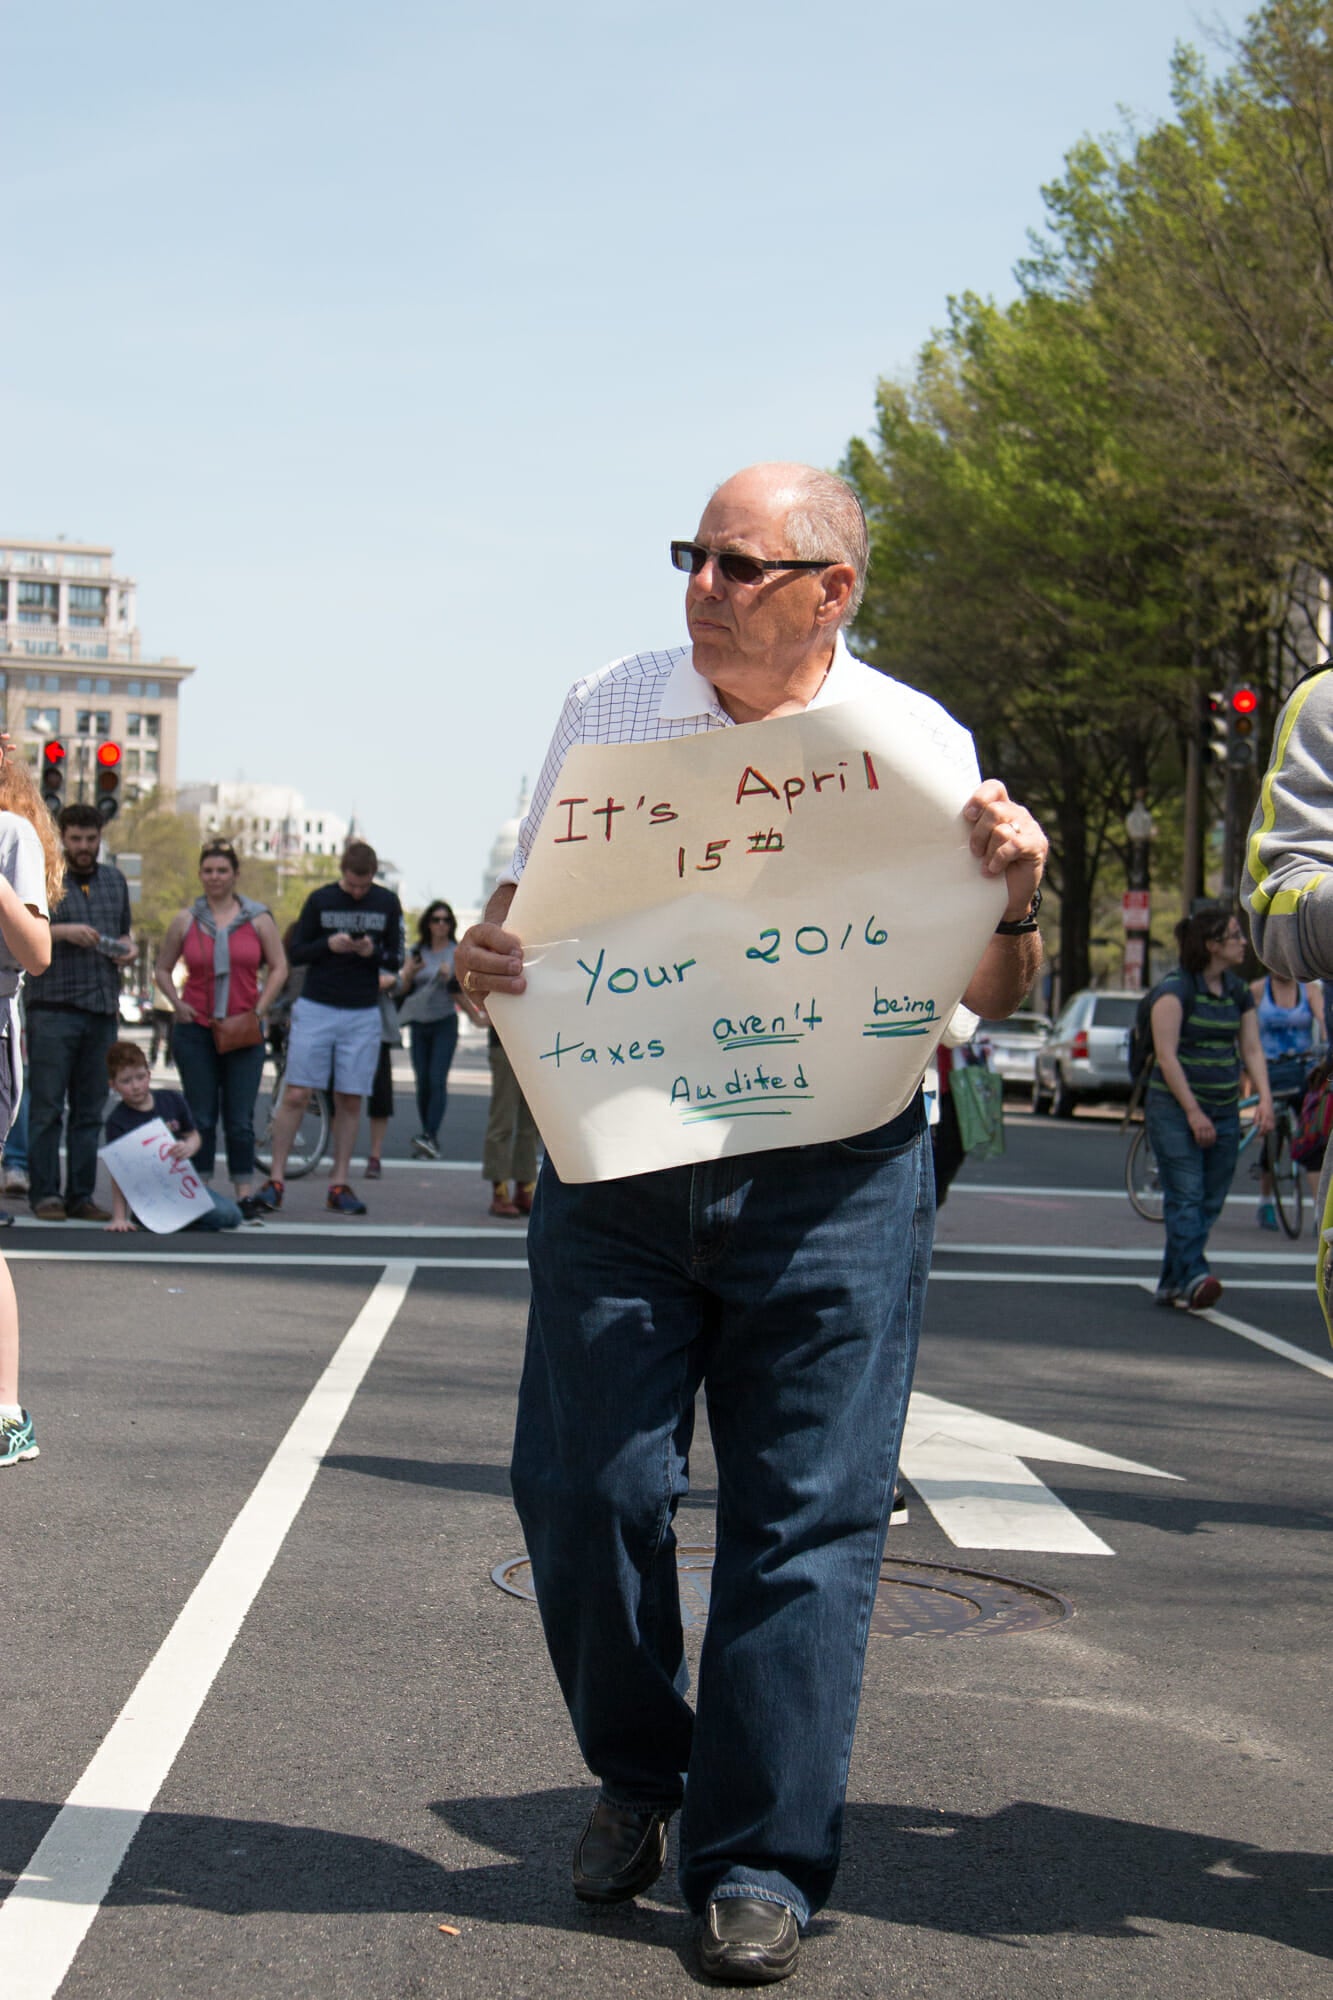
<point x="203" y="916"/>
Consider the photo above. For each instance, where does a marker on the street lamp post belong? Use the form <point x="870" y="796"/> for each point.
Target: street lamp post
<point x="1142" y="829"/>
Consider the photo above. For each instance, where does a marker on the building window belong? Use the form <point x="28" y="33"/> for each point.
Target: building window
<point x="93" y="722"/>
<point x="132" y="765"/>
<point x="33" y="683"/>
<point x="42" y="719"/>
<point x="84" y="684"/>
<point x="102" y="685"/>
<point x="153" y="690"/>
<point x="38" y="603"/>
<point x="152" y="726"/>
<point x="150" y="763"/>
<point x="87" y="604"/>
<point x="4" y="599"/>
<point x="134" y="688"/>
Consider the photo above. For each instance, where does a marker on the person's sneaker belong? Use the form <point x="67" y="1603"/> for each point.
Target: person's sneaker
<point x="88" y="1211"/>
<point x="1266" y="1215"/>
<point x="898" y="1511"/>
<point x="253" y="1208"/>
<point x="501" y="1204"/>
<point x="425" y="1147"/>
<point x="16" y="1439"/>
<point x="1167" y="1299"/>
<point x="342" y="1201"/>
<point x="523" y="1193"/>
<point x="1205" y="1292"/>
<point x="267" y="1198"/>
<point x="16" y="1181"/>
<point x="373" y="1169"/>
<point x="50" y="1209"/>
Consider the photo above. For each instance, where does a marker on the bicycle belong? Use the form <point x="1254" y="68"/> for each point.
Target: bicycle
<point x="311" y="1140"/>
<point x="1144" y="1187"/>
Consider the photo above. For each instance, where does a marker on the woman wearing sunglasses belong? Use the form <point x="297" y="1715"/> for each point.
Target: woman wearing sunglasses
<point x="1200" y="1015"/>
<point x="430" y="1015"/>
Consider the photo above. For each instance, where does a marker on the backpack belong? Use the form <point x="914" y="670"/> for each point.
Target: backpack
<point x="1142" y="1054"/>
<point x="1314" y="1125"/>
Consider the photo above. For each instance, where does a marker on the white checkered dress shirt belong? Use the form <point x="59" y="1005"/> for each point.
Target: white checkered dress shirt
<point x="649" y="697"/>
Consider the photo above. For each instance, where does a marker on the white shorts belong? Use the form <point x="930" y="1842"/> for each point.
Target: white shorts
<point x="338" y="1042"/>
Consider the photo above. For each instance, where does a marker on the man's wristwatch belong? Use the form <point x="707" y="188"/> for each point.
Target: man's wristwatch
<point x="1020" y="926"/>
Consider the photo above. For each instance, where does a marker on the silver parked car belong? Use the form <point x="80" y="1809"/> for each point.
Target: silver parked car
<point x="1086" y="1057"/>
<point x="1013" y="1045"/>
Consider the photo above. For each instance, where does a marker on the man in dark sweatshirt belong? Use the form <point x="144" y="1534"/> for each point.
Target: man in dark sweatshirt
<point x="347" y="935"/>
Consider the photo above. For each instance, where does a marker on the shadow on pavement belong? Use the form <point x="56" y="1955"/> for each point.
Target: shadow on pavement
<point x="1028" y="1870"/>
<point x="1180" y="1514"/>
<point x="1038" y="1870"/>
<point x="456" y="1476"/>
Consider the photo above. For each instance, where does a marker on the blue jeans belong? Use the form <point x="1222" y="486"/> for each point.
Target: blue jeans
<point x="66" y="1059"/>
<point x="433" y="1045"/>
<point x="225" y="1214"/>
<point x="16" y="1144"/>
<point x="1195" y="1181"/>
<point x="213" y="1082"/>
<point x="791" y="1284"/>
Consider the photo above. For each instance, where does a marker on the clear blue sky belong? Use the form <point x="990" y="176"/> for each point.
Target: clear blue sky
<point x="389" y="345"/>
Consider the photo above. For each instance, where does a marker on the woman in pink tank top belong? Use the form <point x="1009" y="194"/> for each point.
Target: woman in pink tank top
<point x="235" y="967"/>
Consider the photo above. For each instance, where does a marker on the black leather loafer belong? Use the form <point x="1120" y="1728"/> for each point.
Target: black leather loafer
<point x="748" y="1941"/>
<point x="620" y="1852"/>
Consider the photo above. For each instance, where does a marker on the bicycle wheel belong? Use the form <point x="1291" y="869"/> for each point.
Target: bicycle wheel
<point x="312" y="1134"/>
<point x="1142" y="1182"/>
<point x="1288" y="1180"/>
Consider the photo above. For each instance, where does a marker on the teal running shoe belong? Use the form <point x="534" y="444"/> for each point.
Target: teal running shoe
<point x="16" y="1439"/>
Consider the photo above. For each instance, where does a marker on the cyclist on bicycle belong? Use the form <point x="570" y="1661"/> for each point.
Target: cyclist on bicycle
<point x="1291" y="1020"/>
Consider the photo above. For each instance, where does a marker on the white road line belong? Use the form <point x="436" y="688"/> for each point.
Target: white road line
<point x="47" y="1913"/>
<point x="969" y="1468"/>
<point x="249" y="1258"/>
<point x="1316" y="1363"/>
<point x="1150" y="1254"/>
<point x="1107" y="1279"/>
<point x="1066" y="1192"/>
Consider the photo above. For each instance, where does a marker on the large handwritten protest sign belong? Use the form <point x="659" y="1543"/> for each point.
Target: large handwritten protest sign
<point x="743" y="939"/>
<point x="164" y="1194"/>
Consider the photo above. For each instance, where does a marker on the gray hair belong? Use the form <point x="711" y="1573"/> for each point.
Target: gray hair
<point x="825" y="518"/>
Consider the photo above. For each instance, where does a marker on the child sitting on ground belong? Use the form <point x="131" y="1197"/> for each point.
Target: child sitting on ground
<point x="139" y="1103"/>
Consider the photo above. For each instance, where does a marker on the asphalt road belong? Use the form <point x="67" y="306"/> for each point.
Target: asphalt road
<point x="273" y="1485"/>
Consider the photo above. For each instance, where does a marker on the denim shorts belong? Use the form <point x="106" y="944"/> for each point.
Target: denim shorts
<point x="342" y="1042"/>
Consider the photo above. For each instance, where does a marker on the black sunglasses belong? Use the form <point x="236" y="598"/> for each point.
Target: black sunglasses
<point x="690" y="557"/>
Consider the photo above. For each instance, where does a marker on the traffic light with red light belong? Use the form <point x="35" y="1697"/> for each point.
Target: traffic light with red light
<point x="109" y="765"/>
<point x="53" y="775"/>
<point x="1242" y="716"/>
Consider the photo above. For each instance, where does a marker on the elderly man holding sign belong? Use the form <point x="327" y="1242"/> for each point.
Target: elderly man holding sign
<point x="794" y="910"/>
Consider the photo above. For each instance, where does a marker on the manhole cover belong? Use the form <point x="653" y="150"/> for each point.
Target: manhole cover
<point x="915" y="1600"/>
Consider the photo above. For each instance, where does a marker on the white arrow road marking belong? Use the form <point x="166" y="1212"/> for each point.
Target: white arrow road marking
<point x="968" y="1468"/>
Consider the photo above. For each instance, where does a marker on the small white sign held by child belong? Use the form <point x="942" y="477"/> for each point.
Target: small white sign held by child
<point x="164" y="1193"/>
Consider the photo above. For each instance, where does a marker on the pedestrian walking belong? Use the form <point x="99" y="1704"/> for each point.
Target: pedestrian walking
<point x="73" y="1018"/>
<point x="228" y="941"/>
<point x="790" y="1282"/>
<point x="1203" y="1024"/>
<point x="428" y="1010"/>
<point x="32" y="870"/>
